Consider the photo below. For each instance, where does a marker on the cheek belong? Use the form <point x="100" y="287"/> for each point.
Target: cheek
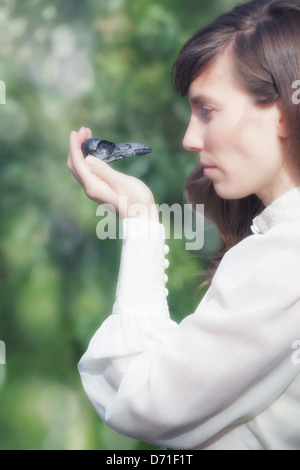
<point x="244" y="144"/>
<point x="227" y="144"/>
<point x="218" y="136"/>
<point x="255" y="133"/>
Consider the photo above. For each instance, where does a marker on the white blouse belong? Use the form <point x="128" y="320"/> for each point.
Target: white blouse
<point x="227" y="376"/>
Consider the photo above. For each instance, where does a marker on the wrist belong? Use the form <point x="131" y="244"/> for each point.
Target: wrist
<point x="142" y="229"/>
<point x="144" y="211"/>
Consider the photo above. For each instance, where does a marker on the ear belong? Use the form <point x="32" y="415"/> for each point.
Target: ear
<point x="282" y="126"/>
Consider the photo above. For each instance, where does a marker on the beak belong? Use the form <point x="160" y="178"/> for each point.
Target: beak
<point x="110" y="152"/>
<point x="129" y="149"/>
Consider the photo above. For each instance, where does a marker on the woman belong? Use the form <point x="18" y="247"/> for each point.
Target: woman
<point x="224" y="377"/>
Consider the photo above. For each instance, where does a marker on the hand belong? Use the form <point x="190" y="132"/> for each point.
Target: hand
<point x="129" y="196"/>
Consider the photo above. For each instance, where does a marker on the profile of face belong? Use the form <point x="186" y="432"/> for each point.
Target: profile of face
<point x="238" y="141"/>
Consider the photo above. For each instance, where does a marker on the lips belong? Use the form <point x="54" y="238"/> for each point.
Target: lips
<point x="207" y="169"/>
<point x="205" y="165"/>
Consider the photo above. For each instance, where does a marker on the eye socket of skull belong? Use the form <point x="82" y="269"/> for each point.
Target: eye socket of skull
<point x="106" y="147"/>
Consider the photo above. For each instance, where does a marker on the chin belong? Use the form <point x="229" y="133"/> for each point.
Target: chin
<point x="230" y="192"/>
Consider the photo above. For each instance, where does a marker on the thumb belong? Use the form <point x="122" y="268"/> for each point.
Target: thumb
<point x="102" y="169"/>
<point x="90" y="161"/>
<point x="98" y="167"/>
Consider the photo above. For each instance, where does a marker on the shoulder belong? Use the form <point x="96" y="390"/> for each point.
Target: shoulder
<point x="266" y="261"/>
<point x="282" y="240"/>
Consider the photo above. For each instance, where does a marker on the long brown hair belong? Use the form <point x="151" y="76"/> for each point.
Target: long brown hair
<point x="264" y="36"/>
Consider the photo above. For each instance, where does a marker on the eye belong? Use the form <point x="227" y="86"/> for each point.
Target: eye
<point x="205" y="113"/>
<point x="105" y="147"/>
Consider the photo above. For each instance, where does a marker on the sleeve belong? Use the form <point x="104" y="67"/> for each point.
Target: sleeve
<point x="180" y="385"/>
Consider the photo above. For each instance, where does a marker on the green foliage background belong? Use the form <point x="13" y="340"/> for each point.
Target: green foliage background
<point x="105" y="65"/>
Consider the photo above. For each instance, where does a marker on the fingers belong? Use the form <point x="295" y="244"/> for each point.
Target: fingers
<point x="101" y="182"/>
<point x="106" y="176"/>
<point x="75" y="161"/>
<point x="113" y="182"/>
<point x="101" y="168"/>
<point x="76" y="140"/>
<point x="95" y="181"/>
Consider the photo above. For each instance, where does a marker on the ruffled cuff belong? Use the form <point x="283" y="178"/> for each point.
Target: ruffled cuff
<point x="141" y="287"/>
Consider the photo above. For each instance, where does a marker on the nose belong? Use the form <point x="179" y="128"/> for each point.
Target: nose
<point x="193" y="139"/>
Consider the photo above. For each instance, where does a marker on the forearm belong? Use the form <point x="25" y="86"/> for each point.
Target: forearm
<point x="141" y="284"/>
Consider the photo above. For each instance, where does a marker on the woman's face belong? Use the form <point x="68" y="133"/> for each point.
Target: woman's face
<point x="239" y="143"/>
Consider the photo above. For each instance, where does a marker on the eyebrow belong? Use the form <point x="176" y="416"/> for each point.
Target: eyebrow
<point x="201" y="99"/>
